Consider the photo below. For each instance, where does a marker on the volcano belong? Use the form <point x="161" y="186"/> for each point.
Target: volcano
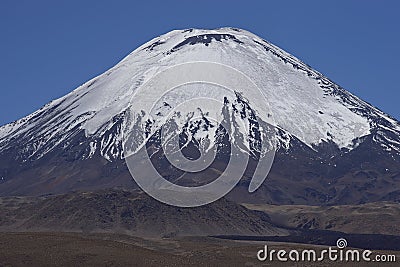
<point x="331" y="146"/>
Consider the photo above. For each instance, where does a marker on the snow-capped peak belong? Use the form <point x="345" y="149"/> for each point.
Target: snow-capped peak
<point x="304" y="103"/>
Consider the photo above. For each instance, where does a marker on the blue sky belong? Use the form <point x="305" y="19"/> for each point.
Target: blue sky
<point x="48" y="48"/>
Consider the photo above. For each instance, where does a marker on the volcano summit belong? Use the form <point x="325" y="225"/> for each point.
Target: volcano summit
<point x="331" y="147"/>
